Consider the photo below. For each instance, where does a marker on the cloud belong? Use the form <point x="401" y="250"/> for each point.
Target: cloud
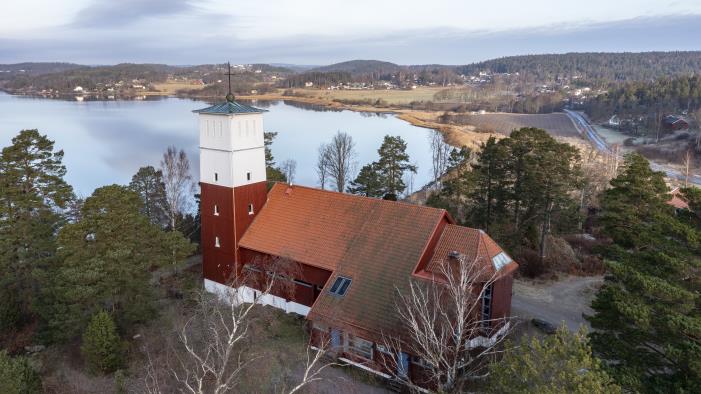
<point x="125" y="12"/>
<point x="207" y="40"/>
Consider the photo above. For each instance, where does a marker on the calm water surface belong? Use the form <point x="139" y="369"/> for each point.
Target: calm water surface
<point x="105" y="142"/>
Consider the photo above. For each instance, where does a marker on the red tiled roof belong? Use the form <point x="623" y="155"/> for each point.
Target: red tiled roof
<point x="677" y="200"/>
<point x="377" y="244"/>
<point x="473" y="244"/>
<point x="374" y="242"/>
<point x="322" y="228"/>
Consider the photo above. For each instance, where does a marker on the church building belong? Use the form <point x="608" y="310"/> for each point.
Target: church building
<point x="353" y="253"/>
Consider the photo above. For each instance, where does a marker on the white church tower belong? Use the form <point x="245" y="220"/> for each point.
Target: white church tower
<point x="233" y="183"/>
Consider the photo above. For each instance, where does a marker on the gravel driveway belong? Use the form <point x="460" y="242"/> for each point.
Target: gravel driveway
<point x="555" y="301"/>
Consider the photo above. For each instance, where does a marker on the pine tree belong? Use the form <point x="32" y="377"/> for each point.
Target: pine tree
<point x="393" y="163"/>
<point x="105" y="260"/>
<point x="520" y="188"/>
<point x="102" y="348"/>
<point x="273" y="173"/>
<point x="490" y="184"/>
<point x="456" y="186"/>
<point x="562" y="363"/>
<point x="148" y="184"/>
<point x="647" y="316"/>
<point x="17" y="376"/>
<point x="32" y="193"/>
<point x="368" y="183"/>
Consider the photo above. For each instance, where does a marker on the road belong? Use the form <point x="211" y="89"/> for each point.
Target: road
<point x="560" y="301"/>
<point x="589" y="133"/>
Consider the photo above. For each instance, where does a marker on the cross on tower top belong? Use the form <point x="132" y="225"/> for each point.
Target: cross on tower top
<point x="229" y="95"/>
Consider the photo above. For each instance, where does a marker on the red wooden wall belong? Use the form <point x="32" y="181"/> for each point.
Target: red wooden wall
<point x="218" y="263"/>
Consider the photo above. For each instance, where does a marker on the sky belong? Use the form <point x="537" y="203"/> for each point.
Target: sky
<point x="316" y="32"/>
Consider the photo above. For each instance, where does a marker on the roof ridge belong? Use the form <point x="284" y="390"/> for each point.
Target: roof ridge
<point x="358" y="197"/>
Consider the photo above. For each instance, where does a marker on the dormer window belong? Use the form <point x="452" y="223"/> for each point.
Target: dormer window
<point x="216" y="177"/>
<point x="250" y="209"/>
<point x="216" y="242"/>
<point x="216" y="210"/>
<point x="248" y="175"/>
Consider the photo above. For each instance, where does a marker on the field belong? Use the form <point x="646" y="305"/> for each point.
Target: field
<point x="557" y="124"/>
<point x="171" y="87"/>
<point x="396" y="97"/>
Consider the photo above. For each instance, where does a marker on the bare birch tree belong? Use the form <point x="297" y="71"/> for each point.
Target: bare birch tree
<point x="322" y="166"/>
<point x="442" y="324"/>
<point x="440" y="153"/>
<point x="179" y="187"/>
<point x="340" y="154"/>
<point x="211" y="352"/>
<point x="688" y="157"/>
<point x="289" y="168"/>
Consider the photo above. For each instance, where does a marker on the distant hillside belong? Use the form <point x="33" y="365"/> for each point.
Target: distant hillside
<point x="360" y="67"/>
<point x="31" y="78"/>
<point x="36" y="68"/>
<point x="295" y="67"/>
<point x="90" y="77"/>
<point x="610" y="67"/>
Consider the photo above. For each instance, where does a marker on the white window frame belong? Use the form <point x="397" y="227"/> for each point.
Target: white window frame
<point x="216" y="210"/>
<point x="250" y="209"/>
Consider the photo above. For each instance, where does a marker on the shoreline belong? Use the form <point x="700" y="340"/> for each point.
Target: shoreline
<point x="455" y="135"/>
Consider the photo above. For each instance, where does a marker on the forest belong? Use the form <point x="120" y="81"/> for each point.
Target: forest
<point x="662" y="96"/>
<point x="603" y="67"/>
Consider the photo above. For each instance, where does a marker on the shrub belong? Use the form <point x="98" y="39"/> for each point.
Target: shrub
<point x="102" y="348"/>
<point x="17" y="376"/>
<point x="561" y="363"/>
<point x="530" y="264"/>
<point x="10" y="312"/>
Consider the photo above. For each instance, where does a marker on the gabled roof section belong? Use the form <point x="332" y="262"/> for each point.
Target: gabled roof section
<point x="473" y="245"/>
<point x="323" y="228"/>
<point x="229" y="108"/>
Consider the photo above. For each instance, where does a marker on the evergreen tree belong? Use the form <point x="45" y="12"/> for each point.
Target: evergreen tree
<point x="148" y="184"/>
<point x="490" y="184"/>
<point x="102" y="348"/>
<point x="455" y="187"/>
<point x="458" y="157"/>
<point x="561" y="363"/>
<point x="32" y="195"/>
<point x="521" y="188"/>
<point x="17" y="376"/>
<point x="648" y="313"/>
<point x="628" y="207"/>
<point x="393" y="163"/>
<point x="272" y="172"/>
<point x="106" y="259"/>
<point x="368" y="183"/>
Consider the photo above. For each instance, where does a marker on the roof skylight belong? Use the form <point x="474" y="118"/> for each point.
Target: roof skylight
<point x="340" y="286"/>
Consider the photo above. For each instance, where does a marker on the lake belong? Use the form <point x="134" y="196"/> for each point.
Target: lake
<point x="105" y="142"/>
